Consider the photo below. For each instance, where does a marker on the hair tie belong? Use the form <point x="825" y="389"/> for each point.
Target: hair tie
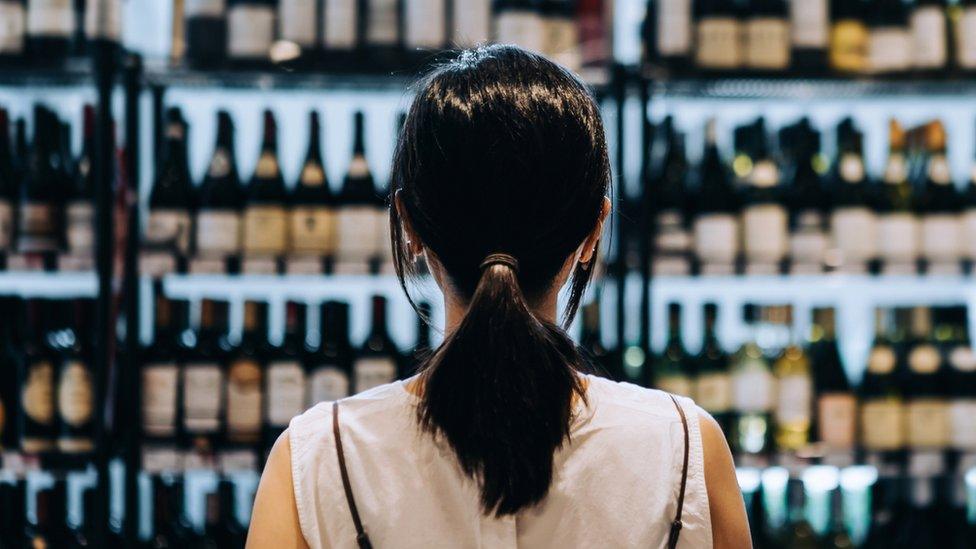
<point x="500" y="259"/>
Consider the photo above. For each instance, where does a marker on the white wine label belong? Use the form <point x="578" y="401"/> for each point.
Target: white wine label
<point x="426" y="23"/>
<point x="765" y="237"/>
<point x="161" y="460"/>
<point x="939" y="170"/>
<point x="675" y="384"/>
<point x="218" y="231"/>
<point x="472" y="22"/>
<point x="764" y="174"/>
<point x="358" y="233"/>
<point x="327" y="384"/>
<point x="883" y="424"/>
<point x="75" y="394"/>
<point x="562" y="43"/>
<point x="267" y="166"/>
<point x="37" y="228"/>
<point x="671" y="234"/>
<point x="808" y="243"/>
<point x="963" y="359"/>
<point x="203" y="8"/>
<point x="752" y="389"/>
<point x="167" y="228"/>
<point x="265" y="230"/>
<point x="522" y="28"/>
<point x="382" y="27"/>
<point x="11" y="28"/>
<point x="924" y="359"/>
<point x="160" y="385"/>
<point x="889" y="49"/>
<point x="767" y="43"/>
<point x="373" y="372"/>
<point x="244" y="393"/>
<point x="855" y="233"/>
<point x="940" y="237"/>
<point x="882" y="360"/>
<point x="963" y="430"/>
<point x="713" y="392"/>
<point x="358" y="166"/>
<point x="837" y="419"/>
<point x="37" y="395"/>
<point x="6" y="223"/>
<point x="202" y="386"/>
<point x="339" y="24"/>
<point x="220" y="164"/>
<point x="312" y="175"/>
<point x="851" y="168"/>
<point x="250" y="30"/>
<point x="896" y="170"/>
<point x="313" y="230"/>
<point x="296" y="21"/>
<point x="103" y="19"/>
<point x="286" y="392"/>
<point x="673" y="27"/>
<point x="716" y="238"/>
<point x="718" y="44"/>
<point x="50" y="18"/>
<point x="898" y="235"/>
<point x="81" y="227"/>
<point x="969" y="233"/>
<point x="809" y="23"/>
<point x="966" y="39"/>
<point x="795" y="399"/>
<point x="928" y="423"/>
<point x="928" y="24"/>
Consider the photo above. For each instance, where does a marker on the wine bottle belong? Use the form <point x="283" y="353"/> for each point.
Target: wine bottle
<point x="713" y="382"/>
<point x="13" y="513"/>
<point x="250" y="32"/>
<point x="330" y="366"/>
<point x="10" y="366"/>
<point x="718" y="32"/>
<point x="285" y="374"/>
<point x="161" y="370"/>
<point x="808" y="201"/>
<point x="965" y="36"/>
<point x="930" y="38"/>
<point x="604" y="362"/>
<point x="312" y="212"/>
<point x="218" y="227"/>
<point x="672" y="244"/>
<point x="37" y="382"/>
<point x="471" y="22"/>
<point x="810" y="35"/>
<point x="169" y="223"/>
<point x="51" y="514"/>
<point x="853" y="223"/>
<point x="898" y="227"/>
<point x="716" y="227"/>
<point x="794" y="402"/>
<point x="12" y="31"/>
<point x="848" y="37"/>
<point x="889" y="38"/>
<point x="244" y="391"/>
<point x="97" y="21"/>
<point x="227" y="531"/>
<point x="425" y="25"/>
<point x="342" y="31"/>
<point x="940" y="205"/>
<point x="764" y="216"/>
<point x="836" y="407"/>
<point x="383" y="31"/>
<point x="961" y="379"/>
<point x="672" y="369"/>
<point x="882" y="399"/>
<point x="561" y="33"/>
<point x="358" y="230"/>
<point x="520" y="22"/>
<point x="925" y="387"/>
<point x="265" y="217"/>
<point x="76" y="391"/>
<point x="297" y="22"/>
<point x="9" y="183"/>
<point x="167" y="528"/>
<point x="206" y="32"/>
<point x="50" y="24"/>
<point x="767" y="32"/>
<point x="752" y="392"/>
<point x="376" y="361"/>
<point x="80" y="211"/>
<point x="668" y="31"/>
<point x="38" y="228"/>
<point x="203" y="379"/>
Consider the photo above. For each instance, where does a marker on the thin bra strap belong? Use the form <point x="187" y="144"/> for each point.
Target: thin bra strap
<point x="361" y="538"/>
<point x="676" y="524"/>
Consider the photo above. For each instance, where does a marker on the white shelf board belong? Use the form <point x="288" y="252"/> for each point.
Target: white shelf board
<point x="48" y="284"/>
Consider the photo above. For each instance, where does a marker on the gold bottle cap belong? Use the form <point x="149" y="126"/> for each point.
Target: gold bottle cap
<point x="897" y="137"/>
<point x="935" y="136"/>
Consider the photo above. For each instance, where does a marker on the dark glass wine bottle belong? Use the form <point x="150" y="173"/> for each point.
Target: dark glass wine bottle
<point x="161" y="370"/>
<point x="342" y="33"/>
<point x="330" y="366"/>
<point x="245" y="384"/>
<point x="169" y="223"/>
<point x="889" y="39"/>
<point x="836" y="403"/>
<point x="250" y="32"/>
<point x="226" y="530"/>
<point x="764" y="215"/>
<point x="898" y="230"/>
<point x="206" y="33"/>
<point x="672" y="244"/>
<point x="965" y="37"/>
<point x="9" y="182"/>
<point x="376" y="362"/>
<point x="356" y="219"/>
<point x="218" y="227"/>
<point x="312" y="212"/>
<point x="425" y="26"/>
<point x="80" y="208"/>
<point x="50" y="25"/>
<point x="413" y="360"/>
<point x="753" y="391"/>
<point x="882" y="413"/>
<point x="203" y="379"/>
<point x="808" y="202"/>
<point x="716" y="225"/>
<point x="265" y="217"/>
<point x="38" y="228"/>
<point x="961" y="379"/>
<point x="853" y="222"/>
<point x="940" y="205"/>
<point x="383" y="32"/>
<point x="167" y="530"/>
<point x="562" y="36"/>
<point x="13" y="514"/>
<point x="285" y="383"/>
<point x="718" y="37"/>
<point x="298" y="28"/>
<point x="10" y="366"/>
<point x="713" y="382"/>
<point x="472" y="22"/>
<point x="930" y="36"/>
<point x="668" y="34"/>
<point x="76" y="389"/>
<point x="520" y="22"/>
<point x="925" y="385"/>
<point x="810" y="35"/>
<point x="37" y="429"/>
<point x="767" y="36"/>
<point x="672" y="369"/>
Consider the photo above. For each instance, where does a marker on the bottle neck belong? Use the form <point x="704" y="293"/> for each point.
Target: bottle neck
<point x="359" y="140"/>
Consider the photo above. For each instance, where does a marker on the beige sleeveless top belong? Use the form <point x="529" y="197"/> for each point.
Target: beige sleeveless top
<point x="615" y="483"/>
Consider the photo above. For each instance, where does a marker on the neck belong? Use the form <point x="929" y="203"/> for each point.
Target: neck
<point x="455" y="309"/>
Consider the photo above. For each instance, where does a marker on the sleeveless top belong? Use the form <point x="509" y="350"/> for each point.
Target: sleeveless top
<point x="615" y="482"/>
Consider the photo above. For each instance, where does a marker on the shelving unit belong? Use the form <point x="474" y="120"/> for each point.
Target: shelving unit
<point x="800" y="89"/>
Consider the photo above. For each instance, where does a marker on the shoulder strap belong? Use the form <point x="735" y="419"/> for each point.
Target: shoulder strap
<point x="676" y="524"/>
<point x="361" y="538"/>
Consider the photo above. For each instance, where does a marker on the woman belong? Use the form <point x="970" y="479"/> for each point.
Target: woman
<point x="500" y="182"/>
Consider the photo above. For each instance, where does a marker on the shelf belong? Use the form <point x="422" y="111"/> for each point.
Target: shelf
<point x="809" y="88"/>
<point x="45" y="284"/>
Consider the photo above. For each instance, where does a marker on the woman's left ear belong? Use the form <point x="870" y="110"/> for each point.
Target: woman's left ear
<point x="413" y="243"/>
<point x="593" y="240"/>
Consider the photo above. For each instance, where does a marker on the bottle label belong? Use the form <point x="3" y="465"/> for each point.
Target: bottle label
<point x="939" y="170"/>
<point x="889" y="49"/>
<point x="837" y="419"/>
<point x="883" y="424"/>
<point x="963" y="359"/>
<point x="896" y="170"/>
<point x="37" y="228"/>
<point x="218" y="231"/>
<point x="882" y="360"/>
<point x="220" y="164"/>
<point x="768" y="43"/>
<point x="718" y="44"/>
<point x="673" y="27"/>
<point x="313" y="230"/>
<point x="328" y="384"/>
<point x="250" y="30"/>
<point x="928" y="24"/>
<point x="713" y="392"/>
<point x="265" y="229"/>
<point x="202" y="386"/>
<point x="104" y="20"/>
<point x="675" y="384"/>
<point x="286" y="392"/>
<point x="854" y="233"/>
<point x="808" y="243"/>
<point x="752" y="389"/>
<point x="244" y="397"/>
<point x="961" y="414"/>
<point x="373" y="372"/>
<point x="167" y="228"/>
<point x="562" y="42"/>
<point x="940" y="237"/>
<point x="81" y="227"/>
<point x="472" y="22"/>
<point x="50" y="18"/>
<point x="795" y="399"/>
<point x="717" y="238"/>
<point x="426" y="23"/>
<point x="966" y="39"/>
<point x="851" y="168"/>
<point x="296" y="22"/>
<point x="383" y="25"/>
<point x="522" y="28"/>
<point x="765" y="232"/>
<point x="969" y="232"/>
<point x="37" y="396"/>
<point x="849" y="46"/>
<point x="898" y="237"/>
<point x="339" y="24"/>
<point x="6" y="221"/>
<point x="75" y="394"/>
<point x="671" y="234"/>
<point x="312" y="175"/>
<point x="809" y="23"/>
<point x="924" y="359"/>
<point x="203" y="8"/>
<point x="928" y="423"/>
<point x="11" y="28"/>
<point x="160" y="382"/>
<point x="358" y="233"/>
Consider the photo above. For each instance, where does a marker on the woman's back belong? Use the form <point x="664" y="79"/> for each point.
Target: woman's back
<point x="615" y="482"/>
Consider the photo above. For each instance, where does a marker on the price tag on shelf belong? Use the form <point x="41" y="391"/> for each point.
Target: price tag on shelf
<point x="304" y="265"/>
<point x="157" y="264"/>
<point x="161" y="460"/>
<point x="263" y="265"/>
<point x="238" y="460"/>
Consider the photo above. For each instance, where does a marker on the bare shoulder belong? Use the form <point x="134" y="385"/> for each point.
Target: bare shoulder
<point x="730" y="527"/>
<point x="275" y="516"/>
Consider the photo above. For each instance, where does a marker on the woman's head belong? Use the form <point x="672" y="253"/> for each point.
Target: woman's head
<point x="502" y="152"/>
